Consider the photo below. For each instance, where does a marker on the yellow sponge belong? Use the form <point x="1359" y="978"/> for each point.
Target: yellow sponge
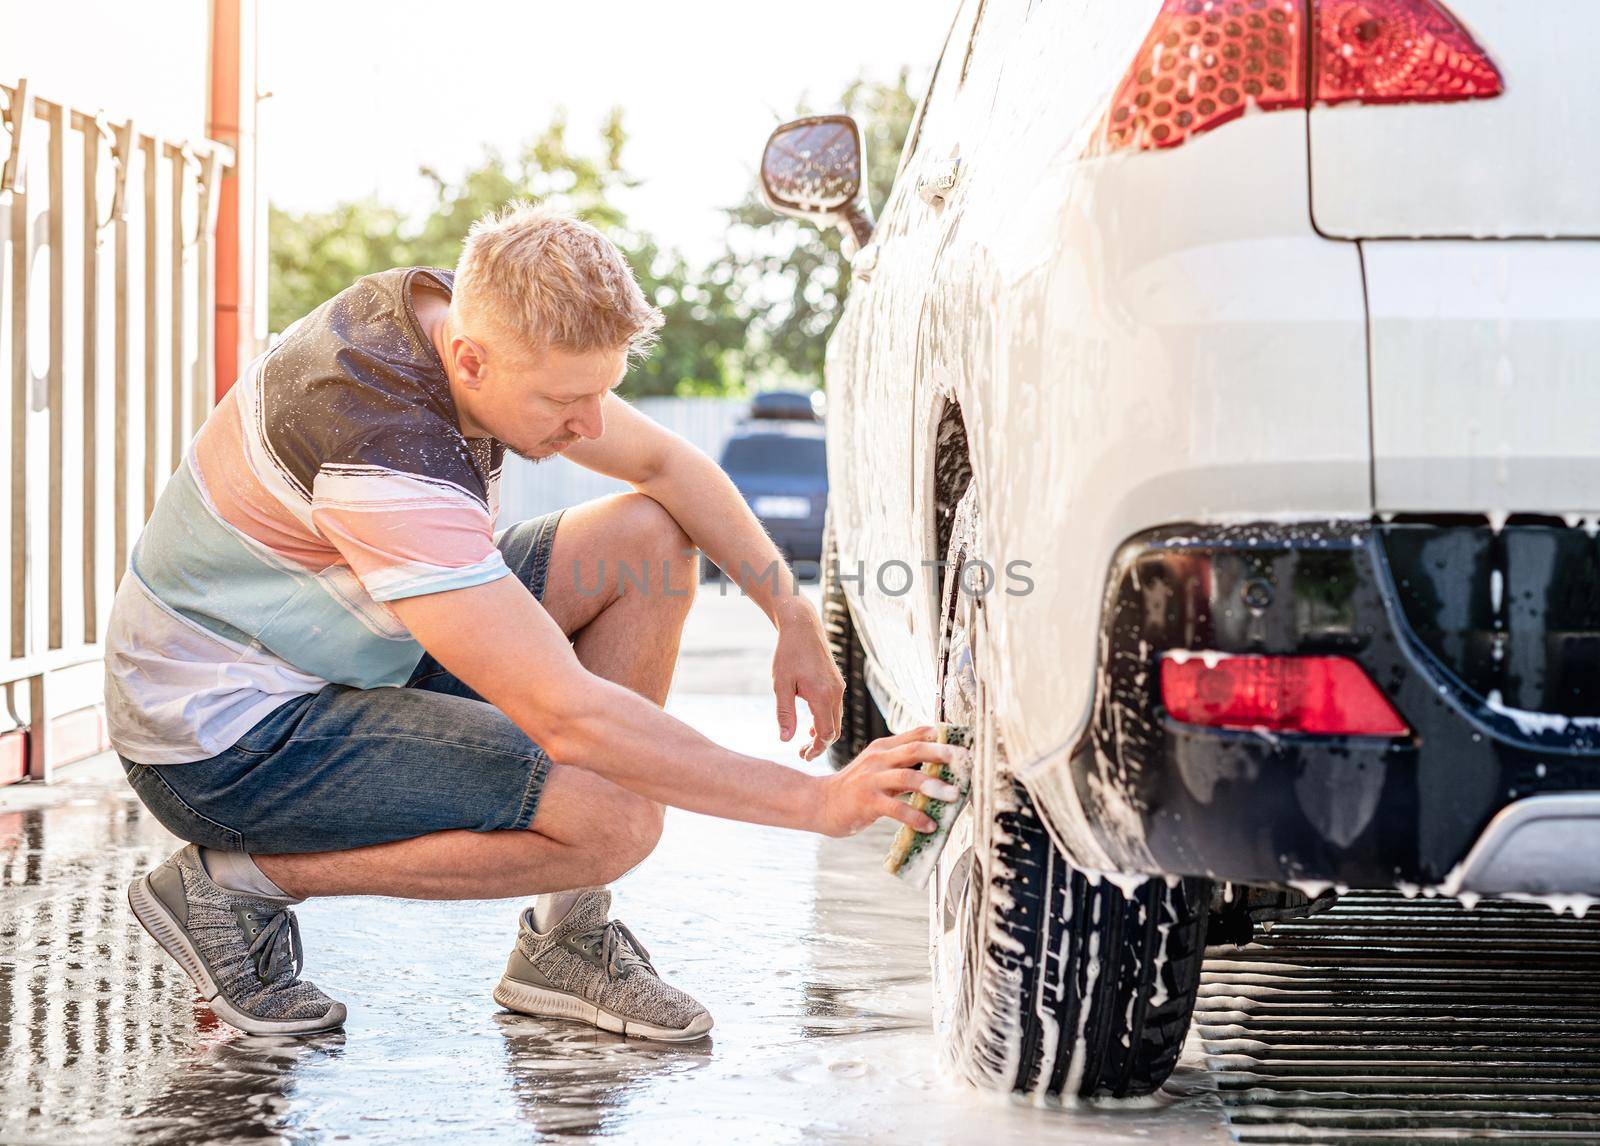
<point x="913" y="854"/>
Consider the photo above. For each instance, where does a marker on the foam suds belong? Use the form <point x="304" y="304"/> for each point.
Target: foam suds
<point x="1578" y="905"/>
<point x="1311" y="888"/>
<point x="1538" y="723"/>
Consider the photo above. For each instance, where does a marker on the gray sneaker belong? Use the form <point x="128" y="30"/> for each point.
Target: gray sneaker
<point x="242" y="951"/>
<point x="593" y="970"/>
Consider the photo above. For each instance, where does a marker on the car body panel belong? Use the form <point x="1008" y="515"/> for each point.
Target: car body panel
<point x="871" y="374"/>
<point x="1410" y="605"/>
<point x="1519" y="165"/>
<point x="1157" y="339"/>
<point x="1086" y="315"/>
<point x="1484" y="394"/>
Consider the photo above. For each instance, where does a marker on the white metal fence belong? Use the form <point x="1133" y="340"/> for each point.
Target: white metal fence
<point x="105" y="371"/>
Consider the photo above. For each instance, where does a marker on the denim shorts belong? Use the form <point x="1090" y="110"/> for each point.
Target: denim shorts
<point x="347" y="767"/>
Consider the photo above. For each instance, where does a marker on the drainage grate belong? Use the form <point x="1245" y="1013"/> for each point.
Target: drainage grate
<point x="1392" y="1020"/>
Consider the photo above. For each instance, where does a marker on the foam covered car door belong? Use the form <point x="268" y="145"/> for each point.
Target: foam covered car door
<point x="871" y="372"/>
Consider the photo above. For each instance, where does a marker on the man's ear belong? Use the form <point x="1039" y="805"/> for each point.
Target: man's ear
<point x="469" y="361"/>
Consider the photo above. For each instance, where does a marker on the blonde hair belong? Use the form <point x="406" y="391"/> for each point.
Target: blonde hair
<point x="552" y="281"/>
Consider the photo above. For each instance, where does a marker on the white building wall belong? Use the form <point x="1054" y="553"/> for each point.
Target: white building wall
<point x="528" y="489"/>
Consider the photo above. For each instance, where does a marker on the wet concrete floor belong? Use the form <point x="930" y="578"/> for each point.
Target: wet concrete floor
<point x="1394" y="1022"/>
<point x="811" y="959"/>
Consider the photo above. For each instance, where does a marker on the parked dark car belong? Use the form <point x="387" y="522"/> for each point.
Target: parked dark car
<point x="780" y="464"/>
<point x="786" y="406"/>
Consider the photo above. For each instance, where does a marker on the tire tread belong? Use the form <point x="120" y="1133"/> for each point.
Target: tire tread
<point x="861" y="722"/>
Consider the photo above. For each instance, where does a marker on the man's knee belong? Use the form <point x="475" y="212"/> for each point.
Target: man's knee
<point x="633" y="829"/>
<point x="667" y="562"/>
<point x="615" y="833"/>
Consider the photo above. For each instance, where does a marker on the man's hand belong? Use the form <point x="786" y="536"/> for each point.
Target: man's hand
<point x="865" y="791"/>
<point x="802" y="666"/>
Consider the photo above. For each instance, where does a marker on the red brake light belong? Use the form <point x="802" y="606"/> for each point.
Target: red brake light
<point x="1205" y="61"/>
<point x="1398" y="51"/>
<point x="1329" y="696"/>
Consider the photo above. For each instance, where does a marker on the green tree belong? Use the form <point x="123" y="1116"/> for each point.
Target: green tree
<point x="757" y="316"/>
<point x="549" y="169"/>
<point x="790" y="273"/>
<point x="315" y="255"/>
<point x="702" y="345"/>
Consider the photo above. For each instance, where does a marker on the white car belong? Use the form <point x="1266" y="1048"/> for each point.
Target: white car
<point x="1244" y="357"/>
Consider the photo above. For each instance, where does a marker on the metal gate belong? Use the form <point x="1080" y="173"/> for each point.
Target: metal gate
<point x="106" y="370"/>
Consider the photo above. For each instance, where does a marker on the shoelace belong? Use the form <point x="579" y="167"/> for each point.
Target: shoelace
<point x="619" y="949"/>
<point x="276" y="945"/>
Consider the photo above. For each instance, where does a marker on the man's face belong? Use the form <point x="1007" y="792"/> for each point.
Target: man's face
<point x="537" y="403"/>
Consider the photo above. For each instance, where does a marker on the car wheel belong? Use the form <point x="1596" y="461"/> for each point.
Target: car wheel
<point x="862" y="723"/>
<point x="1048" y="979"/>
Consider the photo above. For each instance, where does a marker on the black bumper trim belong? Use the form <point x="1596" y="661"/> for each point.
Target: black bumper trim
<point x="1270" y="808"/>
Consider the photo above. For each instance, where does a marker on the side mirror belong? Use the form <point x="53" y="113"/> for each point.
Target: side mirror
<point x="812" y="168"/>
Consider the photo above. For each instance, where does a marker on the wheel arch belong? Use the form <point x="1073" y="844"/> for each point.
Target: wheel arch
<point x="950" y="472"/>
<point x="948" y="468"/>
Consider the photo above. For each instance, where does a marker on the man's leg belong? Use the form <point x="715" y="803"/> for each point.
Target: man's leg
<point x="620" y="580"/>
<point x="345" y="766"/>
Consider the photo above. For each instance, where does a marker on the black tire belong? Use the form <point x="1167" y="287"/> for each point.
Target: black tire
<point x="1049" y="980"/>
<point x="861" y="722"/>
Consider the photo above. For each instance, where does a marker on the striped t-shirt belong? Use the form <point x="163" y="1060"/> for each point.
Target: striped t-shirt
<point x="331" y="479"/>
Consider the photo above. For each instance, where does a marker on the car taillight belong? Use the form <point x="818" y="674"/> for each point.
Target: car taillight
<point x="1203" y="63"/>
<point x="1401" y="51"/>
<point x="1330" y="696"/>
<point x="1206" y="61"/>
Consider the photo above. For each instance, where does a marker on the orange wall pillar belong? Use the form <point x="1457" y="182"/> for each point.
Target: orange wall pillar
<point x="231" y="118"/>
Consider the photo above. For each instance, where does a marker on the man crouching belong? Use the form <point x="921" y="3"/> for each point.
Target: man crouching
<point x="327" y="672"/>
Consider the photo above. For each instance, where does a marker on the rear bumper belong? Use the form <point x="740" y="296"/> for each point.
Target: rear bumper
<point x="1544" y="845"/>
<point x="1255" y="807"/>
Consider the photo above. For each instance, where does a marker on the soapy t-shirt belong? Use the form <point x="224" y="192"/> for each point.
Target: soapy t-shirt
<point x="332" y="479"/>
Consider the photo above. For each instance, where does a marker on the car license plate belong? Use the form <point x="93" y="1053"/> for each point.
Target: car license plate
<point x="786" y="507"/>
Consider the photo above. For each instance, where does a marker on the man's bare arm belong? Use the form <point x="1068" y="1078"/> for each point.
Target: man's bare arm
<point x="700" y="497"/>
<point x="712" y="511"/>
<point x="498" y="639"/>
